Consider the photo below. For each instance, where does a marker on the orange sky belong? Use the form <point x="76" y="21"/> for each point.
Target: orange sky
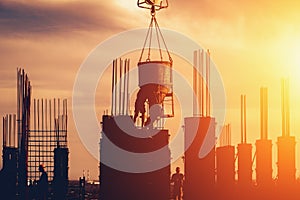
<point x="253" y="44"/>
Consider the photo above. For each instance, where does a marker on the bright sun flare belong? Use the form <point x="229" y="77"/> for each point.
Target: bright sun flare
<point x="294" y="62"/>
<point x="128" y="5"/>
<point x="290" y="49"/>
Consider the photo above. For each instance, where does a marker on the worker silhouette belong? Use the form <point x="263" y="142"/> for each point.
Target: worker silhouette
<point x="177" y="180"/>
<point x="155" y="95"/>
<point x="139" y="106"/>
<point x="42" y="191"/>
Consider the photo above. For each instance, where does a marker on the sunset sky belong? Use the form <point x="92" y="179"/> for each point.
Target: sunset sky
<point x="253" y="44"/>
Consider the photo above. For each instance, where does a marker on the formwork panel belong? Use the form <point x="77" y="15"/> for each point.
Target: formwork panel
<point x="286" y="160"/>
<point x="264" y="163"/>
<point x="245" y="164"/>
<point x="199" y="171"/>
<point x="225" y="166"/>
<point x="118" y="184"/>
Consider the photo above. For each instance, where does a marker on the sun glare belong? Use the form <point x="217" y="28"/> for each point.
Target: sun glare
<point x="297" y="52"/>
<point x="293" y="65"/>
<point x="289" y="46"/>
<point x="128" y="5"/>
<point x="293" y="49"/>
<point x="294" y="62"/>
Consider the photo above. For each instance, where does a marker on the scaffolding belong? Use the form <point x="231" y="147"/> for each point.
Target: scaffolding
<point x="49" y="132"/>
<point x="23" y="125"/>
<point x="31" y="139"/>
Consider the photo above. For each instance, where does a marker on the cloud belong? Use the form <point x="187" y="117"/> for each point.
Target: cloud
<point x="19" y="18"/>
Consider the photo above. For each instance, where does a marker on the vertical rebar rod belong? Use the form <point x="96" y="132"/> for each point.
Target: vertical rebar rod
<point x="38" y="114"/>
<point x="124" y="87"/>
<point x="242" y="120"/>
<point x="120" y="87"/>
<point x="34" y="114"/>
<point x="195" y="95"/>
<point x="63" y="123"/>
<point x="14" y="131"/>
<point x="115" y="85"/>
<point x="245" y="121"/>
<point x="46" y="115"/>
<point x="34" y="128"/>
<point x="112" y="88"/>
<point x="43" y="134"/>
<point x="58" y="122"/>
<point x="7" y="133"/>
<point x="206" y="88"/>
<point x="287" y="91"/>
<point x="54" y="111"/>
<point x="4" y="132"/>
<point x="66" y="113"/>
<point x="266" y="113"/>
<point x="52" y="136"/>
<point x="128" y="97"/>
<point x="18" y="95"/>
<point x="58" y="106"/>
<point x="208" y="82"/>
<point x="227" y="136"/>
<point x="283" y="108"/>
<point x="18" y="104"/>
<point x="38" y="131"/>
<point x="198" y="82"/>
<point x="261" y="113"/>
<point x="127" y="87"/>
<point x="9" y="130"/>
<point x="21" y="105"/>
<point x="48" y="131"/>
<point x="224" y="135"/>
<point x="50" y="115"/>
<point x="42" y="102"/>
<point x="201" y="66"/>
<point x="230" y="134"/>
<point x="66" y="121"/>
<point x="51" y="121"/>
<point x="12" y="134"/>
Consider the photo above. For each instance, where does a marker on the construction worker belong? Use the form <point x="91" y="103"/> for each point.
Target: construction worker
<point x="155" y="95"/>
<point x="177" y="180"/>
<point x="43" y="184"/>
<point x="139" y="106"/>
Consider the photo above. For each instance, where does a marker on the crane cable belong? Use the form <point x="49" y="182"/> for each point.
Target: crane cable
<point x="158" y="35"/>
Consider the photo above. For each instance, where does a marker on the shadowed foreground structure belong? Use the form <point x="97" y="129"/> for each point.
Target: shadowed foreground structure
<point x="32" y="139"/>
<point x="117" y="184"/>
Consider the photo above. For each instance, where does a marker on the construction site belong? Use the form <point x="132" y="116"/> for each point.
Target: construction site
<point x="36" y="137"/>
